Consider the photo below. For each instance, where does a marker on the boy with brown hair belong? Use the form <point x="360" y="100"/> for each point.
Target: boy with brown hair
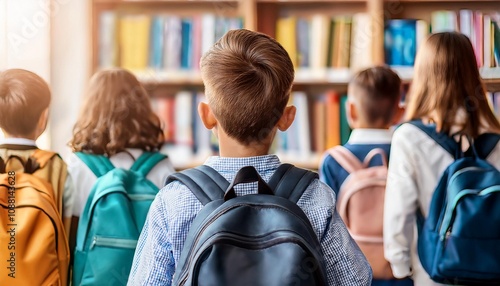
<point x="248" y="78"/>
<point x="24" y="104"/>
<point x="372" y="109"/>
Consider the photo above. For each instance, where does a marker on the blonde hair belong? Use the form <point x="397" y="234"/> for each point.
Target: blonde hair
<point x="24" y="96"/>
<point x="248" y="78"/>
<point x="377" y="92"/>
<point x="116" y="114"/>
<point x="447" y="81"/>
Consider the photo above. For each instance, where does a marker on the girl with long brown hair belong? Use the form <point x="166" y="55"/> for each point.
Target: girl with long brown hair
<point x="117" y="121"/>
<point x="447" y="91"/>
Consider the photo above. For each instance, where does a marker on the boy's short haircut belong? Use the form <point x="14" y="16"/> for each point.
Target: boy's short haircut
<point x="248" y="78"/>
<point x="378" y="91"/>
<point x="23" y="98"/>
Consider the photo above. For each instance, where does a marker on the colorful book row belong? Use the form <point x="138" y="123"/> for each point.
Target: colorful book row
<point x="320" y="41"/>
<point x="320" y="123"/>
<point x="159" y="42"/>
<point x="494" y="98"/>
<point x="402" y="37"/>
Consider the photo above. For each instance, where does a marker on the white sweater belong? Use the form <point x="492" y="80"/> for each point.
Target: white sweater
<point x="84" y="178"/>
<point x="415" y="167"/>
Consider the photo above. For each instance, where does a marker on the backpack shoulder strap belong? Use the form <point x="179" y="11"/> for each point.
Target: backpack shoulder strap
<point x="290" y="182"/>
<point x="203" y="181"/>
<point x="146" y="162"/>
<point x="372" y="154"/>
<point x="486" y="143"/>
<point x="442" y="139"/>
<point x="43" y="157"/>
<point x="98" y="164"/>
<point x="346" y="159"/>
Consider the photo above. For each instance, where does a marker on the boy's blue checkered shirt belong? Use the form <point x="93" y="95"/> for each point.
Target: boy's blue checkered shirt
<point x="175" y="208"/>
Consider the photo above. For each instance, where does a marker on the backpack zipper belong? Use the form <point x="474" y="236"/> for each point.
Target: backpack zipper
<point x="113" y="242"/>
<point x="442" y="233"/>
<point x="250" y="243"/>
<point x="445" y="230"/>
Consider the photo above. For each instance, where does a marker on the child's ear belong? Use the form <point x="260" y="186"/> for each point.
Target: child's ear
<point x="206" y="115"/>
<point x="287" y="118"/>
<point x="351" y="113"/>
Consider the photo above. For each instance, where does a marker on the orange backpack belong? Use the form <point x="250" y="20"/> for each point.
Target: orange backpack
<point x="360" y="203"/>
<point x="33" y="244"/>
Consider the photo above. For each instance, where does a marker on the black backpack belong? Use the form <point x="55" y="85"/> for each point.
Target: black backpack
<point x="256" y="239"/>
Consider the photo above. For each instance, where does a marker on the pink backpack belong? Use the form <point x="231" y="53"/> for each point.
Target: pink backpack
<point x="360" y="203"/>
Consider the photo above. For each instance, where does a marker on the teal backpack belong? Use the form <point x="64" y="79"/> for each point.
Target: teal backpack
<point x="112" y="219"/>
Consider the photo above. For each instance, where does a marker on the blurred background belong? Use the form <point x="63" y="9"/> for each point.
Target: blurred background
<point x="161" y="41"/>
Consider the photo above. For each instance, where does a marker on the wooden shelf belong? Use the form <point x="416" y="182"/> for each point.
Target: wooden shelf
<point x="445" y="1"/>
<point x="144" y="2"/>
<point x="309" y="1"/>
<point x="490" y="76"/>
<point x="261" y="15"/>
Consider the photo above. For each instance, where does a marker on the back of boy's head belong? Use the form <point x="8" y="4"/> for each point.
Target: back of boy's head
<point x="24" y="96"/>
<point x="116" y="115"/>
<point x="248" y="78"/>
<point x="376" y="92"/>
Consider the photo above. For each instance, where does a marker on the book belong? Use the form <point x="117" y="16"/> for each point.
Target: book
<point x="157" y="41"/>
<point x="286" y="35"/>
<point x="400" y="42"/>
<point x="196" y="42"/>
<point x="422" y="31"/>
<point x="319" y="125"/>
<point x="496" y="41"/>
<point x="301" y="125"/>
<point x="173" y="43"/>
<point x="340" y="42"/>
<point x="208" y="29"/>
<point x="134" y="41"/>
<point x="202" y="135"/>
<point x="107" y="39"/>
<point x="303" y="39"/>
<point x="444" y="21"/>
<point x="320" y="25"/>
<point x="466" y="23"/>
<point x="478" y="36"/>
<point x="345" y="129"/>
<point x="164" y="107"/>
<point x="487" y="63"/>
<point x="332" y="100"/>
<point x="187" y="43"/>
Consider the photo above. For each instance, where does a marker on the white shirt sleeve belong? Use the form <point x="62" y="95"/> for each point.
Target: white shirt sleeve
<point x="401" y="202"/>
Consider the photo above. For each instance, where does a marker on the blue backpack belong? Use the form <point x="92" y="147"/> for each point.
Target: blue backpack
<point x="256" y="239"/>
<point x="112" y="219"/>
<point x="459" y="242"/>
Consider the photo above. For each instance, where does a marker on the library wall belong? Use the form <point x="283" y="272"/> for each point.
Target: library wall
<point x="327" y="40"/>
<point x="26" y="41"/>
<point x="52" y="39"/>
<point x="161" y="42"/>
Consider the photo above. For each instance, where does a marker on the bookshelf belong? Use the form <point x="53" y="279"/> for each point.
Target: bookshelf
<point x="316" y="78"/>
